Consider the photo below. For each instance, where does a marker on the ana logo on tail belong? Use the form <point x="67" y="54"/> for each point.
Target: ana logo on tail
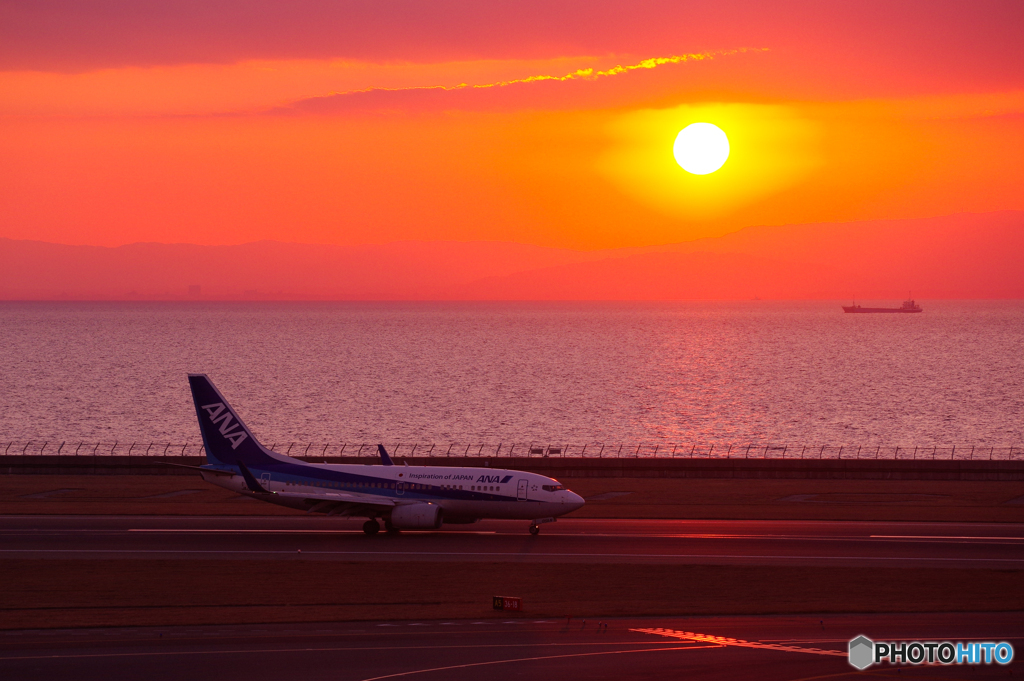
<point x="229" y="426"/>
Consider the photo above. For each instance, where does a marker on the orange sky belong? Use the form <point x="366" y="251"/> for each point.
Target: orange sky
<point x="342" y="123"/>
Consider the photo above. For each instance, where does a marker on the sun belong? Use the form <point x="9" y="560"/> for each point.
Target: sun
<point x="701" y="148"/>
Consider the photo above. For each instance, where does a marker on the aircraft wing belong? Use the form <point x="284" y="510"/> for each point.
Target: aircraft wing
<point x="341" y="503"/>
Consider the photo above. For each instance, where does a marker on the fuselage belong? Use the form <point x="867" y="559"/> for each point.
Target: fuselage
<point x="465" y="494"/>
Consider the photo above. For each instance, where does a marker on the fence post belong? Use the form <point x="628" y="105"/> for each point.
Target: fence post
<point x="711" y="450"/>
<point x="785" y="447"/>
<point x="728" y="454"/>
<point x="637" y="454"/>
<point x="183" y="448"/>
<point x="822" y="452"/>
<point x="510" y="450"/>
<point x="952" y="452"/>
<point x="618" y="454"/>
<point x="802" y="450"/>
<point x="747" y="455"/>
<point x="60" y="448"/>
<point x="600" y="454"/>
<point x="25" y="448"/>
<point x="324" y="452"/>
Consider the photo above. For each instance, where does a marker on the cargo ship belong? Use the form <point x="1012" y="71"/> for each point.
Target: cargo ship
<point x="907" y="306"/>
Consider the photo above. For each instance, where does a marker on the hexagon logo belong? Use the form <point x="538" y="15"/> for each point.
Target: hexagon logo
<point x="862" y="652"/>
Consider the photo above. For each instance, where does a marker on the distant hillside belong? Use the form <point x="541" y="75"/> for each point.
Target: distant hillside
<point x="958" y="256"/>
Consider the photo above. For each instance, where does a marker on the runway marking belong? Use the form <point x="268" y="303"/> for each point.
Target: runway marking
<point x="527" y="659"/>
<point x="504" y="554"/>
<point x="933" y="536"/>
<point x="171" y="653"/>
<point x="737" y="642"/>
<point x="874" y="538"/>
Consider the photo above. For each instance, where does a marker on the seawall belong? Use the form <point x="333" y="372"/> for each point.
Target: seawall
<point x="570" y="467"/>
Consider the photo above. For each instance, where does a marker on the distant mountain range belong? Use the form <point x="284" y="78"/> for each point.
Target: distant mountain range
<point x="958" y="256"/>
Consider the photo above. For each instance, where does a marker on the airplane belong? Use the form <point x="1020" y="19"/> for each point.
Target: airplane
<point x="404" y="497"/>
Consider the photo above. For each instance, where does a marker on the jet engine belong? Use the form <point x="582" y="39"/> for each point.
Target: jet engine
<point x="417" y="516"/>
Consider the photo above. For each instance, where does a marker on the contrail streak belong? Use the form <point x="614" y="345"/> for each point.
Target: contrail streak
<point x="579" y="74"/>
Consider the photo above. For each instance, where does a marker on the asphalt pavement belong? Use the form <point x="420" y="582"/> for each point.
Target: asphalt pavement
<point x="718" y="542"/>
<point x="766" y="648"/>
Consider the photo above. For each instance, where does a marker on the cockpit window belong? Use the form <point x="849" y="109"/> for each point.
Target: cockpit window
<point x="553" y="488"/>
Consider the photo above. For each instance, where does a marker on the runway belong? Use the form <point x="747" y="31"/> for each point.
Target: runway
<point x="681" y="542"/>
<point x="770" y="648"/>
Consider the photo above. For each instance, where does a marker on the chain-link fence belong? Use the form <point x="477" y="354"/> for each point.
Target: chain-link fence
<point x="330" y="450"/>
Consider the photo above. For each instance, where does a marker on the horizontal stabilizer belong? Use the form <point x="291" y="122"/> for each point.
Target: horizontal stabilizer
<point x="203" y="469"/>
<point x="384" y="458"/>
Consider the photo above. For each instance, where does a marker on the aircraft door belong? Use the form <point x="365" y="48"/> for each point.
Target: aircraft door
<point x="524" y="485"/>
<point x="400" y="488"/>
<point x="265" y="481"/>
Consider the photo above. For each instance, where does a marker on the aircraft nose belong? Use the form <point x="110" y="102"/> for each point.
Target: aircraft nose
<point x="575" y="500"/>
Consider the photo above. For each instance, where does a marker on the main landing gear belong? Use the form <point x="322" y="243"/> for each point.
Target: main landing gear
<point x="371" y="527"/>
<point x="535" y="524"/>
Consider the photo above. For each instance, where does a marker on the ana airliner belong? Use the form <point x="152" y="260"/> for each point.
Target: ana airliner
<point x="404" y="497"/>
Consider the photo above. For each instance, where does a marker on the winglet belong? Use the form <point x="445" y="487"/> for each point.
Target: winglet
<point x="384" y="458"/>
<point x="251" y="482"/>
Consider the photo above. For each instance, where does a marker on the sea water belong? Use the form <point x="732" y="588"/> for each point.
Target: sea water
<point x="800" y="373"/>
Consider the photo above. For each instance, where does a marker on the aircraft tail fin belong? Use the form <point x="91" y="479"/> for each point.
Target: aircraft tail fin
<point x="227" y="439"/>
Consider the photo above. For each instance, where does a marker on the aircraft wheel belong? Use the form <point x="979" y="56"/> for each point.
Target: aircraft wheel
<point x="534" y="529"/>
<point x="371" y="527"/>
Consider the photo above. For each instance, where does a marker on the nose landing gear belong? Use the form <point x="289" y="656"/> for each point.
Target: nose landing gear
<point x="371" y="527"/>
<point x="534" y="529"/>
